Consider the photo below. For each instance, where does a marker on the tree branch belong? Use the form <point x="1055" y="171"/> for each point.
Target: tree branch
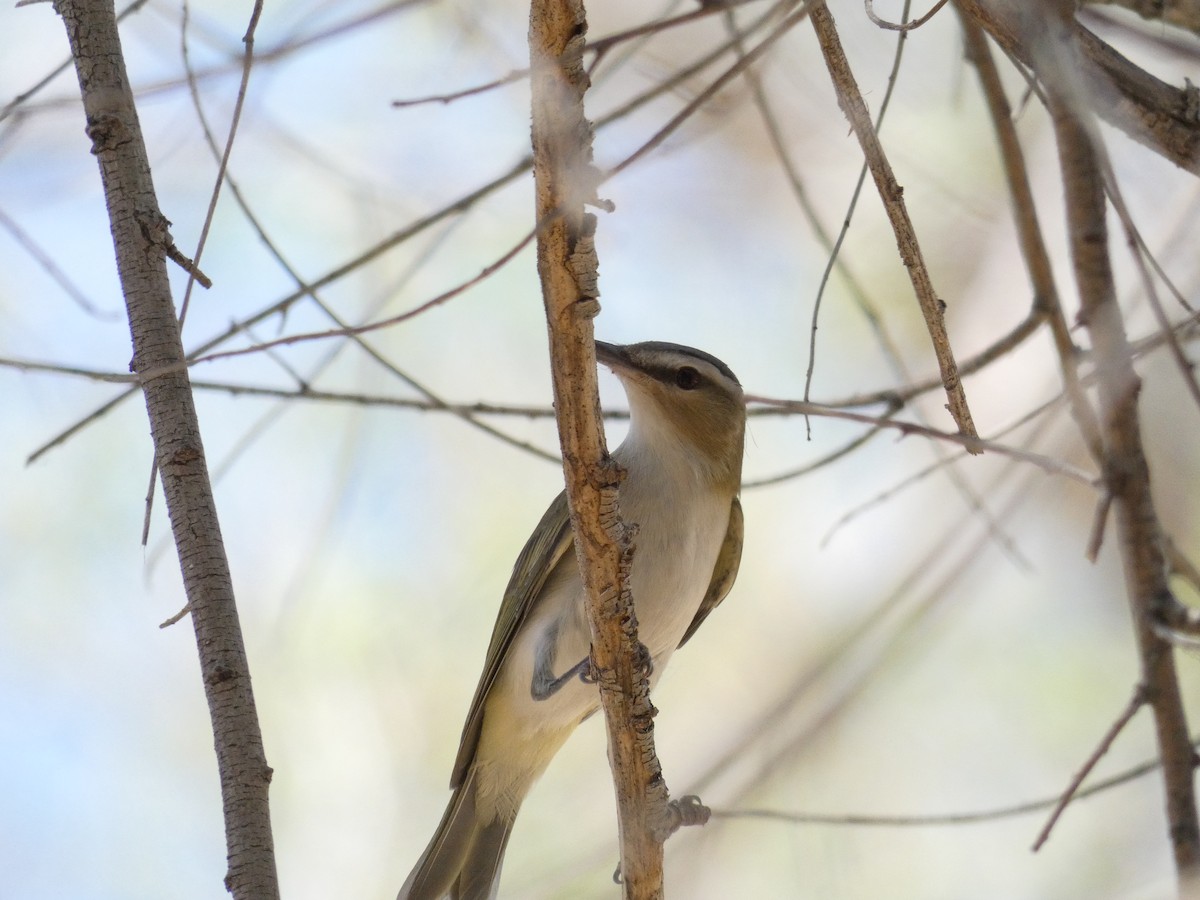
<point x="1126" y="472"/>
<point x="141" y="241"/>
<point x="1164" y="118"/>
<point x="565" y="181"/>
<point x="1180" y="13"/>
<point x="891" y="194"/>
<point x="1047" y="304"/>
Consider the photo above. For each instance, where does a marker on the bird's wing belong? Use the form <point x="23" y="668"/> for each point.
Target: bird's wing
<point x="724" y="572"/>
<point x="545" y="548"/>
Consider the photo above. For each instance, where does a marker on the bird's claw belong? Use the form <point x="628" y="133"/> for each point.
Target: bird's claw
<point x="685" y="811"/>
<point x="588" y="672"/>
<point x="643" y="659"/>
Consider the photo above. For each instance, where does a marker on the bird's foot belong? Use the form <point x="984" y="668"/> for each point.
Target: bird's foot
<point x="685" y="811"/>
<point x="543" y="688"/>
<point x="643" y="659"/>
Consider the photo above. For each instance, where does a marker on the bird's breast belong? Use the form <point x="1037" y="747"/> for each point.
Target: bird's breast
<point x="675" y="549"/>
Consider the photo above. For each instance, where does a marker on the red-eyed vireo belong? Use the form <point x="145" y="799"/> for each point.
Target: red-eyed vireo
<point x="683" y="459"/>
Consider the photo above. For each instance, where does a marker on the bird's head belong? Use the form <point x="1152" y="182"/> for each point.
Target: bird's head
<point x="684" y="404"/>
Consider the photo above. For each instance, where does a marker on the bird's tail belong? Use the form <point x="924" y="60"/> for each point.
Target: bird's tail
<point x="465" y="855"/>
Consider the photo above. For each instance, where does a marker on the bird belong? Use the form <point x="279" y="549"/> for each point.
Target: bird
<point x="683" y="461"/>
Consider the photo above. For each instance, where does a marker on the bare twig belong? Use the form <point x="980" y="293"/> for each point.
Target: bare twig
<point x="1187" y="330"/>
<point x="1136" y="702"/>
<point x="916" y="477"/>
<point x="451" y="96"/>
<point x="973" y="817"/>
<point x="23" y="97"/>
<point x="859" y="654"/>
<point x="602" y="45"/>
<point x="834" y="248"/>
<point x="223" y="162"/>
<point x="901" y="396"/>
<point x="282" y="305"/>
<point x="1143" y="260"/>
<point x="890" y="192"/>
<point x="51" y="268"/>
<point x="743" y="62"/>
<point x="902" y="26"/>
<point x="808" y="468"/>
<point x="352" y="330"/>
<point x="970" y="444"/>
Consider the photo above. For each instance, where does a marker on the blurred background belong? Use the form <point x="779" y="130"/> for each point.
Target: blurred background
<point x="905" y="639"/>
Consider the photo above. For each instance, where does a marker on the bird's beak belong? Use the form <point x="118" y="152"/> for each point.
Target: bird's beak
<point x="613" y="356"/>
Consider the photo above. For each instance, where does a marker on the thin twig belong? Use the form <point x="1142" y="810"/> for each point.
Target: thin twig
<point x="282" y="305"/>
<point x="903" y="26"/>
<point x="435" y="401"/>
<point x="924" y="473"/>
<point x="602" y="45"/>
<point x="972" y="444"/>
<point x="904" y="394"/>
<point x="1140" y="252"/>
<point x="861" y="652"/>
<point x="54" y="270"/>
<point x="890" y="192"/>
<point x="1136" y="702"/>
<point x="973" y="817"/>
<point x="22" y="98"/>
<point x="235" y="119"/>
<point x="598" y="48"/>
<point x="808" y="468"/>
<point x="834" y="249"/>
<point x="351" y="330"/>
<point x="447" y="98"/>
<point x="741" y="65"/>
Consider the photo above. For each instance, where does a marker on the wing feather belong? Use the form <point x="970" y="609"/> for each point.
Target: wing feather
<point x="724" y="572"/>
<point x="550" y="540"/>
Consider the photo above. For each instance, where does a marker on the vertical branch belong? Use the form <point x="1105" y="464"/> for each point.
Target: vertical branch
<point x="1046" y="301"/>
<point x="932" y="308"/>
<point x="565" y="181"/>
<point x="142" y="243"/>
<point x="1126" y="472"/>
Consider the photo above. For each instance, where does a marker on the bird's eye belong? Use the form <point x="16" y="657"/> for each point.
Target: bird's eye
<point x="687" y="378"/>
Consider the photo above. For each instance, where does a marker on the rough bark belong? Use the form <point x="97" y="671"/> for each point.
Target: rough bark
<point x="565" y="181"/>
<point x="142" y="242"/>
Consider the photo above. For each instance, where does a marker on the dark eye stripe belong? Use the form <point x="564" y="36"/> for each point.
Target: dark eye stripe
<point x="689" y="351"/>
